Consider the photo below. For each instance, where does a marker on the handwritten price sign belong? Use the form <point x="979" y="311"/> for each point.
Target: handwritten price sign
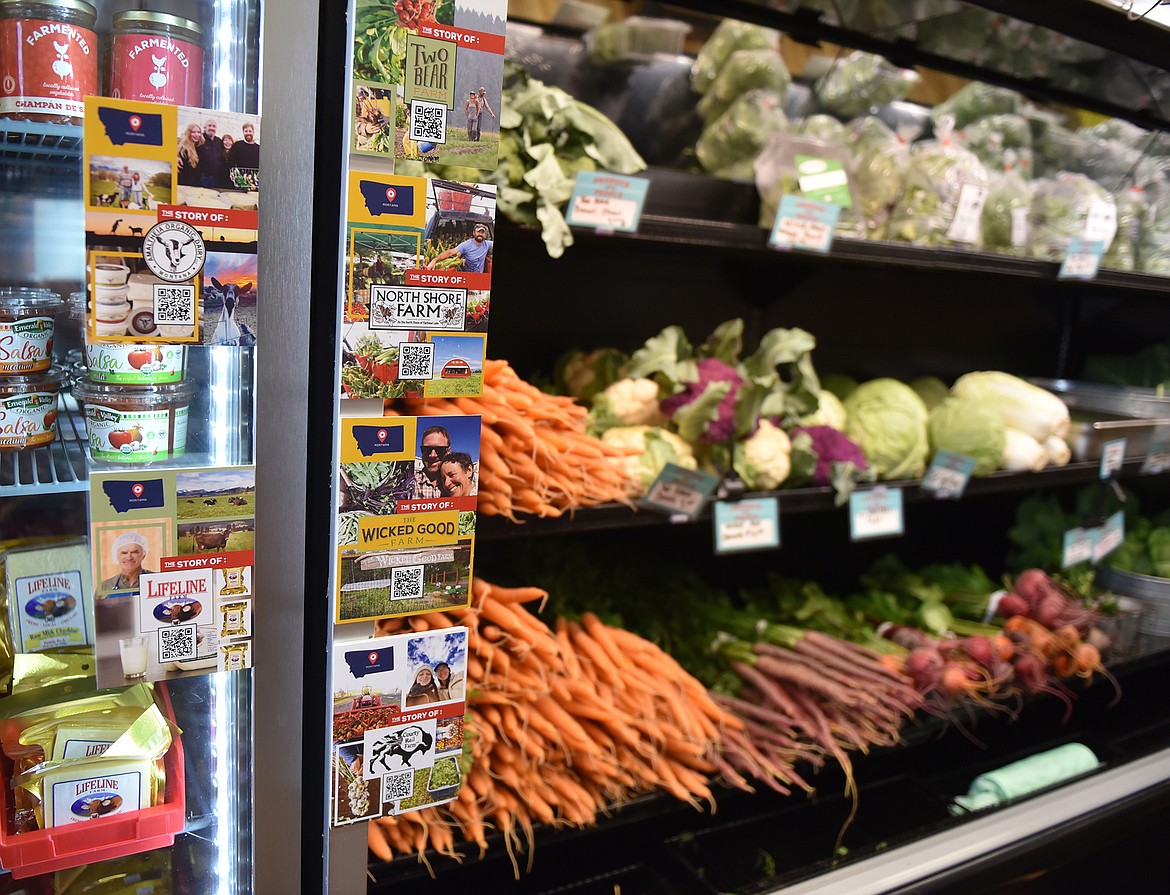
<point x="875" y="513"/>
<point x="804" y="224"/>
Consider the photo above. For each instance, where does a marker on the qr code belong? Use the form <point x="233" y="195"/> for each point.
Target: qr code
<point x="178" y="643"/>
<point x="428" y="121"/>
<point x="397" y="786"/>
<point x="406" y="583"/>
<point x="416" y="360"/>
<point x="174" y="304"/>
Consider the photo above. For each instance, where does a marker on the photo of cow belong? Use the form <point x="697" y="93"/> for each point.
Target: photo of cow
<point x="215" y="494"/>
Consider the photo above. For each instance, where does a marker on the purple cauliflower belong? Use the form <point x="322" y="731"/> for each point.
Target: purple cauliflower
<point x="711" y="370"/>
<point x="831" y="446"/>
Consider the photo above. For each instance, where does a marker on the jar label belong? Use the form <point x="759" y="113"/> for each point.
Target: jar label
<point x="135" y="364"/>
<point x="28" y="421"/>
<point x="154" y="69"/>
<point x="134" y="436"/>
<point x="46" y="68"/>
<point x="26" y="344"/>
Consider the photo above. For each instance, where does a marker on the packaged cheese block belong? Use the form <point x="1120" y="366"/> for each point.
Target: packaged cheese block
<point x="49" y="596"/>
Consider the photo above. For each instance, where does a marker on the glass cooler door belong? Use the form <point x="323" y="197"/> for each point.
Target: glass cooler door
<point x="143" y="469"/>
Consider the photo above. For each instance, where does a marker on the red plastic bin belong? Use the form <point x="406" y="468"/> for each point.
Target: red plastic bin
<point x="60" y="848"/>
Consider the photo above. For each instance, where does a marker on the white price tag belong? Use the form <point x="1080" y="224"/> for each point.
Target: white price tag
<point x="967" y="224"/>
<point x="747" y="525"/>
<point x="876" y="513"/>
<point x="1112" y="457"/>
<point x="1078" y="546"/>
<point x="1020" y="227"/>
<point x="1109" y="536"/>
<point x="1101" y="221"/>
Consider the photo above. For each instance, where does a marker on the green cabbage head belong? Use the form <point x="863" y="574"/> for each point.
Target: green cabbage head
<point x="888" y="420"/>
<point x="964" y="427"/>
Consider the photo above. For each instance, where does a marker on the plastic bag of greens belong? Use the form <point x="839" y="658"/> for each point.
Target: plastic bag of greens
<point x="1118" y="129"/>
<point x="730" y="35"/>
<point x="1056" y="148"/>
<point x="744" y="70"/>
<point x="942" y="196"/>
<point x="1069" y="205"/>
<point x="823" y="128"/>
<point x="736" y="137"/>
<point x="1153" y="255"/>
<point x="974" y="101"/>
<point x="880" y="159"/>
<point x="798" y="166"/>
<point x="959" y="32"/>
<point x="990" y="137"/>
<point x="1006" y="212"/>
<point x="1132" y="208"/>
<point x="860" y="81"/>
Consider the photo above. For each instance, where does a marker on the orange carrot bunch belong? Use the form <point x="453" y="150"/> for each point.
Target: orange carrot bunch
<point x="535" y="456"/>
<point x="562" y="723"/>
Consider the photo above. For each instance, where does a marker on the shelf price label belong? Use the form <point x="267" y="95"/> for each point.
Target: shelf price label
<point x="967" y="224"/>
<point x="804" y="224"/>
<point x="875" y="513"/>
<point x="948" y="474"/>
<point x="1082" y="260"/>
<point x="1078" y="546"/>
<point x="1109" y="536"/>
<point x="607" y="202"/>
<point x="1158" y="457"/>
<point x="680" y="492"/>
<point x="1112" y="457"/>
<point x="744" y="525"/>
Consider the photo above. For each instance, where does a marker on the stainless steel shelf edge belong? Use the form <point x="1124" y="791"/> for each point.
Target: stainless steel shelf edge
<point x="1000" y="829"/>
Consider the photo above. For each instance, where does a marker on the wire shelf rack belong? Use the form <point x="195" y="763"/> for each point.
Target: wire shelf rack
<point x="58" y="466"/>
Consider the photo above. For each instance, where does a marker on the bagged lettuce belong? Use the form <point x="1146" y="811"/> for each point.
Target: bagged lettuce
<point x="860" y="81"/>
<point x="974" y="101"/>
<point x="942" y="196"/>
<point x="1132" y="210"/>
<point x="880" y="159"/>
<point x="1007" y="211"/>
<point x="744" y="70"/>
<point x="798" y="166"/>
<point x="989" y="138"/>
<point x="730" y="35"/>
<point x="1065" y="206"/>
<point x="729" y="145"/>
<point x="823" y="128"/>
<point x="1153" y="251"/>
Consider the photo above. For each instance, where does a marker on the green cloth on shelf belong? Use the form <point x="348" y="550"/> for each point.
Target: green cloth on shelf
<point x="1025" y="776"/>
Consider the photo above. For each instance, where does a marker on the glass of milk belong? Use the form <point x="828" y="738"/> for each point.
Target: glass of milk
<point x="133" y="652"/>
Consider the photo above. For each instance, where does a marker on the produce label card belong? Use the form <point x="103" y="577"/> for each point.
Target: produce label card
<point x="1078" y="546"/>
<point x="406" y="514"/>
<point x="442" y="61"/>
<point x="680" y="491"/>
<point x="398" y="709"/>
<point x="803" y="223"/>
<point x="607" y="202"/>
<point x="172" y="198"/>
<point x="1109" y="536"/>
<point x="948" y="474"/>
<point x="1083" y="259"/>
<point x="1112" y="457"/>
<point x="172" y="561"/>
<point x="875" y="513"/>
<point x="417" y="286"/>
<point x="743" y="525"/>
<point x="1158" y="457"/>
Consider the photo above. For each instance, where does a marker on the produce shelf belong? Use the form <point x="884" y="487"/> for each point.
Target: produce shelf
<point x="59" y="466"/>
<point x="792" y="500"/>
<point x="1092" y="22"/>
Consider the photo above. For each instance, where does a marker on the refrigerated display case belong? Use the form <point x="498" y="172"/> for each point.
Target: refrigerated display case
<point x="216" y="836"/>
<point x="881" y="309"/>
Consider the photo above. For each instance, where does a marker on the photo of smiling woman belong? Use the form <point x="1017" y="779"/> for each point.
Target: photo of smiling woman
<point x="457" y="475"/>
<point x="447" y="438"/>
<point x="423" y="691"/>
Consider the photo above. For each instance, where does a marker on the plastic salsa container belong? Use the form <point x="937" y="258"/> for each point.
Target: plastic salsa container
<point x="28" y="409"/>
<point x="136" y="364"/>
<point x="135" y="423"/>
<point x="26" y="329"/>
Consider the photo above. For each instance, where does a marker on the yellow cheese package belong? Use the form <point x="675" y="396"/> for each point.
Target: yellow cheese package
<point x="127" y="776"/>
<point x="50" y="603"/>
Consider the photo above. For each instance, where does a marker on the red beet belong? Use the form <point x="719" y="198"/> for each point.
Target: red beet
<point x="1012" y="604"/>
<point x="1032" y="585"/>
